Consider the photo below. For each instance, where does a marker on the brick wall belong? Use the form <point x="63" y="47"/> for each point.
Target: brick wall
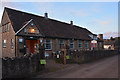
<point x="8" y="51"/>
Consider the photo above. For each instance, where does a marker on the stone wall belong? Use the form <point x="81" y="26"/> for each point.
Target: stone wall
<point x="20" y="67"/>
<point x="86" y="56"/>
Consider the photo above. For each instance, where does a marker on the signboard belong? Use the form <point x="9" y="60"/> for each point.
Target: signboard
<point x="93" y="43"/>
<point x="42" y="61"/>
<point x="67" y="57"/>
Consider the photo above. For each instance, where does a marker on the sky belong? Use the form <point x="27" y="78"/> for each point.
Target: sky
<point x="98" y="17"/>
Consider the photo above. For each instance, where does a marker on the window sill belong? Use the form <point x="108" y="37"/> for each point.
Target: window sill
<point x="48" y="49"/>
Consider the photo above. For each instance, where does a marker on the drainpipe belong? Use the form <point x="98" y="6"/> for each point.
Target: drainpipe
<point x="15" y="45"/>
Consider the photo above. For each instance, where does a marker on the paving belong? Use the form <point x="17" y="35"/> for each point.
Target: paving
<point x="103" y="68"/>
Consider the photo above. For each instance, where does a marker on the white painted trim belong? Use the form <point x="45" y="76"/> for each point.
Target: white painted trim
<point x="23" y="26"/>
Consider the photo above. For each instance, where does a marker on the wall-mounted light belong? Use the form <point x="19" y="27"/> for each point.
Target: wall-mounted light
<point x="32" y="30"/>
<point x="20" y="40"/>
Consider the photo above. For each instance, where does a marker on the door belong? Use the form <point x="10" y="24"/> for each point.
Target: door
<point x="31" y="45"/>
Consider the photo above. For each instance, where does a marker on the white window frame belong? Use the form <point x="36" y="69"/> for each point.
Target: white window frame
<point x="49" y="43"/>
<point x="61" y="42"/>
<point x="72" y="44"/>
<point x="80" y="43"/>
<point x="4" y="43"/>
<point x="86" y="43"/>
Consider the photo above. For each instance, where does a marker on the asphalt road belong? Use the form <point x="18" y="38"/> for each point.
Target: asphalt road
<point x="103" y="68"/>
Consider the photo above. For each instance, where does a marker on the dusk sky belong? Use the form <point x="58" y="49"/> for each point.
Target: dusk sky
<point x="98" y="17"/>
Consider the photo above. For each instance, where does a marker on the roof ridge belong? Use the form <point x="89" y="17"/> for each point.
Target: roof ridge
<point x="43" y="17"/>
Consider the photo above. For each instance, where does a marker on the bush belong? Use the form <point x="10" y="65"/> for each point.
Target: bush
<point x="58" y="60"/>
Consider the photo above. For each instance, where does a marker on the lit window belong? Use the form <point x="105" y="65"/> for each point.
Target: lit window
<point x="48" y="44"/>
<point x="71" y="44"/>
<point x="61" y="42"/>
<point x="86" y="44"/>
<point x="4" y="43"/>
<point x="80" y="44"/>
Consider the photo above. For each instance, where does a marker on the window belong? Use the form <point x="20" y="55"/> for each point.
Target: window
<point x="100" y="44"/>
<point x="86" y="44"/>
<point x="61" y="42"/>
<point x="3" y="28"/>
<point x="80" y="44"/>
<point x="71" y="44"/>
<point x="48" y="44"/>
<point x="8" y="26"/>
<point x="4" y="43"/>
<point x="11" y="43"/>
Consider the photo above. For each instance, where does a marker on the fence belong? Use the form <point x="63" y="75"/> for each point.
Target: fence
<point x="86" y="56"/>
<point x="22" y="66"/>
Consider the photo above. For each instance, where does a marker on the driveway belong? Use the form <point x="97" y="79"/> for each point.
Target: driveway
<point x="103" y="68"/>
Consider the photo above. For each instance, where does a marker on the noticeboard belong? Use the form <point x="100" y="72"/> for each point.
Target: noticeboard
<point x="67" y="57"/>
<point x="42" y="61"/>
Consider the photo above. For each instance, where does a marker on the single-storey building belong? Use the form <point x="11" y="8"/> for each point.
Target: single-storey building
<point x="22" y="32"/>
<point x="112" y="44"/>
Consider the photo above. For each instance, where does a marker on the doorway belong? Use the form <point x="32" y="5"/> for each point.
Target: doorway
<point x="32" y="46"/>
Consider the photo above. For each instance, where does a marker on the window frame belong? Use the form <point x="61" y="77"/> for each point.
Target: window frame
<point x="80" y="43"/>
<point x="86" y="43"/>
<point x="12" y="42"/>
<point x="61" y="43"/>
<point x="8" y="27"/>
<point x="3" y="28"/>
<point x="72" y="44"/>
<point x="48" y="43"/>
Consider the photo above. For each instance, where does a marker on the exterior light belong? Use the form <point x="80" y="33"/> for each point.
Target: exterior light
<point x="32" y="30"/>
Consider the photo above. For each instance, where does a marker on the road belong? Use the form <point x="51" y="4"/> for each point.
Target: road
<point x="103" y="68"/>
<point x="0" y="68"/>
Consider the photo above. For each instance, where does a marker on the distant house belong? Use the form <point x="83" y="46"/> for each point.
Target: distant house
<point x="112" y="44"/>
<point x="22" y="32"/>
<point x="109" y="45"/>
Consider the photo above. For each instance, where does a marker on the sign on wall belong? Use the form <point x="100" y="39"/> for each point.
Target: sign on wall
<point x="93" y="43"/>
<point x="42" y="61"/>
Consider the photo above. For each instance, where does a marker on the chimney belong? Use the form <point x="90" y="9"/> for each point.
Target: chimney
<point x="46" y="15"/>
<point x="71" y="22"/>
<point x="100" y="36"/>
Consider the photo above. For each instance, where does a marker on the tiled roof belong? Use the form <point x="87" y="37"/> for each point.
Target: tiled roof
<point x="49" y="27"/>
